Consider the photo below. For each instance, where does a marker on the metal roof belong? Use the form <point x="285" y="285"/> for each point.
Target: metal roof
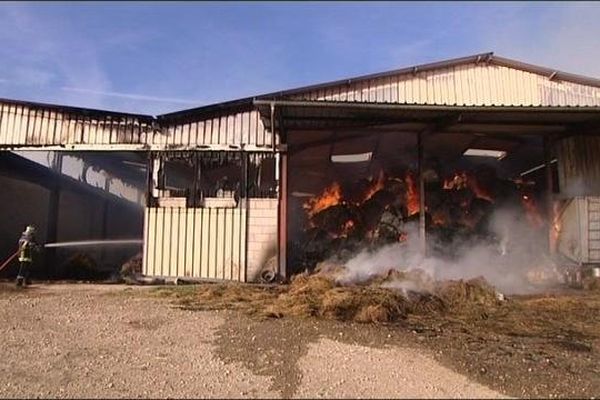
<point x="488" y="58"/>
<point x="89" y="112"/>
<point x="500" y="119"/>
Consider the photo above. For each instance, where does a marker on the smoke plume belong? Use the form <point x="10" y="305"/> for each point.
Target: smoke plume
<point x="511" y="260"/>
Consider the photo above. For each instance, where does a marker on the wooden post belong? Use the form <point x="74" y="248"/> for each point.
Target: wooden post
<point x="282" y="215"/>
<point x="549" y="194"/>
<point x="422" y="235"/>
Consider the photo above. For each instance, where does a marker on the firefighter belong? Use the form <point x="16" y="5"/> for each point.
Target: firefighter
<point x="27" y="246"/>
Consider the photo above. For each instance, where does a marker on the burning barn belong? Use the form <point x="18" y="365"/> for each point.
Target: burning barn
<point x="481" y="161"/>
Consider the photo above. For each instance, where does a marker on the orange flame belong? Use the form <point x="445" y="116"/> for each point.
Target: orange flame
<point x="556" y="225"/>
<point x="376" y="185"/>
<point x="347" y="228"/>
<point x="457" y="182"/>
<point x="413" y="204"/>
<point x="331" y="196"/>
<point x="532" y="211"/>
<point x="462" y="180"/>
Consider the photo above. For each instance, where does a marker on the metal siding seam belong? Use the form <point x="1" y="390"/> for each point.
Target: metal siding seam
<point x="485" y="86"/>
<point x="205" y="239"/>
<point x="174" y="242"/>
<point x="244" y="242"/>
<point x="3" y="132"/>
<point x="145" y="244"/>
<point x="431" y="87"/>
<point x="11" y="125"/>
<point x="166" y="250"/>
<point x="6" y="123"/>
<point x="227" y="246"/>
<point x="422" y="92"/>
<point x="177" y="134"/>
<point x="17" y="128"/>
<point x="498" y="71"/>
<point x="212" y="248"/>
<point x="158" y="258"/>
<point x="181" y="257"/>
<point x="235" y="240"/>
<point x="196" y="271"/>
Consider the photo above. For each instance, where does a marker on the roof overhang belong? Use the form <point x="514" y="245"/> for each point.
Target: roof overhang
<point x="509" y="120"/>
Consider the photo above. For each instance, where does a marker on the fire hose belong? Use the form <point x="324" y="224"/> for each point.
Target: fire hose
<point x="9" y="259"/>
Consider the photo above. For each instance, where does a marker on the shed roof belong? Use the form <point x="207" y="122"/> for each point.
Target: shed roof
<point x="488" y="58"/>
<point x="498" y="119"/>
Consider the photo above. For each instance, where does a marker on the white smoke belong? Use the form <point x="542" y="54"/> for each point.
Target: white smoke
<point x="507" y="262"/>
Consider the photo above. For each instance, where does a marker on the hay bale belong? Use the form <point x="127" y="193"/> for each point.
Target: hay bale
<point x="374" y="313"/>
<point x="339" y="303"/>
<point x="461" y="294"/>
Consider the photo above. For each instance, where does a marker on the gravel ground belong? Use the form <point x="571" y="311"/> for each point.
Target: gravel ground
<point x="109" y="341"/>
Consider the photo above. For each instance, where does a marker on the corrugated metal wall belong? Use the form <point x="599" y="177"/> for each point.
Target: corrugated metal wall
<point x="579" y="235"/>
<point x="21" y="124"/>
<point x="227" y="131"/>
<point x="578" y="165"/>
<point x="464" y="84"/>
<point x="195" y="242"/>
<point x="468" y="84"/>
<point x="25" y="125"/>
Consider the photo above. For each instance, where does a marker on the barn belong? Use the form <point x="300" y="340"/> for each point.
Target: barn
<point x="269" y="186"/>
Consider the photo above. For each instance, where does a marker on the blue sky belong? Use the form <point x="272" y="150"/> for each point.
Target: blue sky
<point x="158" y="57"/>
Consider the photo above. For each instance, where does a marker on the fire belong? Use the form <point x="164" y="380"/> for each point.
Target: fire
<point x="439" y="218"/>
<point x="347" y="228"/>
<point x="457" y="182"/>
<point x="376" y="186"/>
<point x="556" y="224"/>
<point x="412" y="195"/>
<point x="532" y="211"/>
<point x="331" y="196"/>
<point x="462" y="180"/>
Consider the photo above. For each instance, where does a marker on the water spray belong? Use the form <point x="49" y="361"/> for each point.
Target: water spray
<point x="83" y="243"/>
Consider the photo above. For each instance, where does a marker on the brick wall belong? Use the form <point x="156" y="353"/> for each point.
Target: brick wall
<point x="262" y="234"/>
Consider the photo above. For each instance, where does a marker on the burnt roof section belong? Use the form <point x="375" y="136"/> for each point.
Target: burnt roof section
<point x="87" y="112"/>
<point x="245" y="104"/>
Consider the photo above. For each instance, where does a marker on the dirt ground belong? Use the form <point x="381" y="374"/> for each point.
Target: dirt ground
<point x="114" y="341"/>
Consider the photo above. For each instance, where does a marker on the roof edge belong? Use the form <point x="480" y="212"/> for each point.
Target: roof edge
<point x="300" y="89"/>
<point x="78" y="110"/>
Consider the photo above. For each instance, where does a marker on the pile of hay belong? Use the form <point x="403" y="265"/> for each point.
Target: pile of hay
<point x="315" y="295"/>
<point x="474" y="292"/>
<point x="320" y="295"/>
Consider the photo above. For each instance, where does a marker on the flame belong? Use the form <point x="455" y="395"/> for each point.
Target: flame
<point x="556" y="225"/>
<point x="439" y="218"/>
<point x="462" y="180"/>
<point x="331" y="196"/>
<point x="347" y="228"/>
<point x="413" y="204"/>
<point x="376" y="185"/>
<point x="532" y="211"/>
<point x="457" y="182"/>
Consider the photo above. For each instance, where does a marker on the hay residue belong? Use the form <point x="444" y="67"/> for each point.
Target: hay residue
<point x="320" y="295"/>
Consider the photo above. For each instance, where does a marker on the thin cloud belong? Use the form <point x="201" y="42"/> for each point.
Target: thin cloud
<point x="132" y="96"/>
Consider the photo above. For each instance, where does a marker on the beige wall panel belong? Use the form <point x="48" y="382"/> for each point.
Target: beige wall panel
<point x="220" y="248"/>
<point x="166" y="250"/>
<point x="229" y="239"/>
<point x="190" y="219"/>
<point x="182" y="243"/>
<point x="205" y="242"/>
